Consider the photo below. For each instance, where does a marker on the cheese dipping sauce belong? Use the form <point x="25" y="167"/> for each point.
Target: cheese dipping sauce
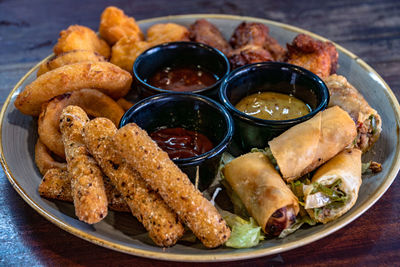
<point x="182" y="79"/>
<point x="273" y="106"/>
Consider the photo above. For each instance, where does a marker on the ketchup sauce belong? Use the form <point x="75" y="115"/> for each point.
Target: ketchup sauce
<point x="180" y="143"/>
<point x="182" y="79"/>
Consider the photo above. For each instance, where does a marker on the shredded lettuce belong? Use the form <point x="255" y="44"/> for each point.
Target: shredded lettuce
<point x="365" y="167"/>
<point x="245" y="234"/>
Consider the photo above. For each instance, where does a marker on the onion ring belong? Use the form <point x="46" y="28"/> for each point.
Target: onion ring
<point x="67" y="58"/>
<point x="44" y="161"/>
<point x="106" y="77"/>
<point x="94" y="102"/>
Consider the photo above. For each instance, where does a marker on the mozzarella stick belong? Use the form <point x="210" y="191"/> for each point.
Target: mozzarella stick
<point x="56" y="184"/>
<point x="158" y="171"/>
<point x="87" y="186"/>
<point x="146" y="205"/>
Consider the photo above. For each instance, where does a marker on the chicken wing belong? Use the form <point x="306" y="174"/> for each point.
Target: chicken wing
<point x="202" y="31"/>
<point x="318" y="57"/>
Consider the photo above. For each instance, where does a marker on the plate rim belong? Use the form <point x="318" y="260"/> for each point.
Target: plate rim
<point x="241" y="254"/>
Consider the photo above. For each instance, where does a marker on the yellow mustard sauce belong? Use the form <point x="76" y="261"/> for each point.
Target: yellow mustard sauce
<point x="273" y="106"/>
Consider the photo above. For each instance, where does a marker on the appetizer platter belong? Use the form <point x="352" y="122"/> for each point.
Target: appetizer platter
<point x="120" y="230"/>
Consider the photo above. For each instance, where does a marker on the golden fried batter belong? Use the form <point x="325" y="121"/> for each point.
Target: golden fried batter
<point x="114" y="25"/>
<point x="93" y="102"/>
<point x="146" y="205"/>
<point x="67" y="58"/>
<point x="56" y="184"/>
<point x="43" y="159"/>
<point x="168" y="32"/>
<point x="316" y="56"/>
<point x="87" y="186"/>
<point x="78" y="37"/>
<point x="104" y="76"/>
<point x="160" y="172"/>
<point x="125" y="52"/>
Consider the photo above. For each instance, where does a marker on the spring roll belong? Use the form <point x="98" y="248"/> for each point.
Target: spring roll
<point x="56" y="184"/>
<point x="146" y="205"/>
<point x="90" y="200"/>
<point x="263" y="192"/>
<point x="308" y="145"/>
<point x="164" y="177"/>
<point x="367" y="119"/>
<point x="334" y="187"/>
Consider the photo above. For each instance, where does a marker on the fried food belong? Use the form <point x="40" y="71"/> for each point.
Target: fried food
<point x="263" y="192"/>
<point x="78" y="37"/>
<point x="125" y="52"/>
<point x="114" y="25"/>
<point x="88" y="193"/>
<point x="146" y="205"/>
<point x="257" y="34"/>
<point x="205" y="32"/>
<point x="163" y="176"/>
<point x="125" y="104"/>
<point x="104" y="76"/>
<point x="93" y="102"/>
<point x="69" y="58"/>
<point x="252" y="43"/>
<point x="247" y="55"/>
<point x="309" y="144"/>
<point x="44" y="161"/>
<point x="168" y="32"/>
<point x="56" y="184"/>
<point x="367" y="119"/>
<point x="318" y="57"/>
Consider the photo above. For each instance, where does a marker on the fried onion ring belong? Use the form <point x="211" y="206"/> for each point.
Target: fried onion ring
<point x="69" y="58"/>
<point x="95" y="103"/>
<point x="44" y="161"/>
<point x="81" y="37"/>
<point x="106" y="77"/>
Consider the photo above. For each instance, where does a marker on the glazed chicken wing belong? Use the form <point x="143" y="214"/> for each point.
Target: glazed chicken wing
<point x="247" y="55"/>
<point x="317" y="56"/>
<point x="205" y="32"/>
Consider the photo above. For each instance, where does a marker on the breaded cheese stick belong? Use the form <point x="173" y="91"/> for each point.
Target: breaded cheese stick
<point x="156" y="168"/>
<point x="56" y="184"/>
<point x="146" y="205"/>
<point x="87" y="186"/>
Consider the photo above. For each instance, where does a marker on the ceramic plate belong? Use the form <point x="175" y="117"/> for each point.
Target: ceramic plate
<point x="123" y="233"/>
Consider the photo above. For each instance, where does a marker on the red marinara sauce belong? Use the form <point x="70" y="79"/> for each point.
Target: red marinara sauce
<point x="182" y="79"/>
<point x="180" y="143"/>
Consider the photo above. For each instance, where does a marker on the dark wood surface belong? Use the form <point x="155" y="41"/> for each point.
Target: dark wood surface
<point x="370" y="29"/>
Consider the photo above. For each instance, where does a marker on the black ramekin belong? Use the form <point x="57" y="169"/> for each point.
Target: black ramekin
<point x="180" y="54"/>
<point x="192" y="112"/>
<point x="252" y="132"/>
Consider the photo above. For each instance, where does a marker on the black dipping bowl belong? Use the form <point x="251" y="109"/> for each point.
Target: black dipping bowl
<point x="178" y="54"/>
<point x="192" y="112"/>
<point x="278" y="77"/>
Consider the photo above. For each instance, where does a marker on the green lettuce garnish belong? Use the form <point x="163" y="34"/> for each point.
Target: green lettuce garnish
<point x="332" y="191"/>
<point x="245" y="234"/>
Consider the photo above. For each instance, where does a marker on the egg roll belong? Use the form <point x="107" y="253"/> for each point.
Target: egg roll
<point x="263" y="192"/>
<point x="309" y="144"/>
<point x="334" y="188"/>
<point x="367" y="119"/>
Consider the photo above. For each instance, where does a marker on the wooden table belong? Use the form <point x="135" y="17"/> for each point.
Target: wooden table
<point x="370" y="29"/>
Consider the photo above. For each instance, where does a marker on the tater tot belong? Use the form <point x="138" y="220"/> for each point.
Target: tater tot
<point x="146" y="205"/>
<point x="87" y="185"/>
<point x="114" y="25"/>
<point x="159" y="172"/>
<point x="78" y="37"/>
